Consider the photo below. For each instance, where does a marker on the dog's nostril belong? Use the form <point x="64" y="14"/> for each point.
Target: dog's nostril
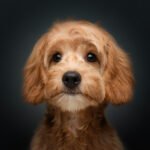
<point x="71" y="79"/>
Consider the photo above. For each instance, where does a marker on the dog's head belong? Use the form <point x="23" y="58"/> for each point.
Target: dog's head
<point x="77" y="64"/>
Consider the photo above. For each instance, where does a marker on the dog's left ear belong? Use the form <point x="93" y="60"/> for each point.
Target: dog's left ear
<point x="119" y="80"/>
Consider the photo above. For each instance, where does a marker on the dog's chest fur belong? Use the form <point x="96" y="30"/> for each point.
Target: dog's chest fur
<point x="85" y="130"/>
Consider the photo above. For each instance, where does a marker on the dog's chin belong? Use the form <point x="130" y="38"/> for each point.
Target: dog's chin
<point x="72" y="101"/>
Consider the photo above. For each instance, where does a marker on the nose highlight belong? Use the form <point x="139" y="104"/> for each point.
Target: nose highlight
<point x="71" y="79"/>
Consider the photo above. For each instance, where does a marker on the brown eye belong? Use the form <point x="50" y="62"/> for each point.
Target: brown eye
<point x="91" y="57"/>
<point x="56" y="57"/>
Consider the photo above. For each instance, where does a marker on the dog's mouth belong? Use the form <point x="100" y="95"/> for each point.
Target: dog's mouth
<point x="66" y="92"/>
<point x="72" y="92"/>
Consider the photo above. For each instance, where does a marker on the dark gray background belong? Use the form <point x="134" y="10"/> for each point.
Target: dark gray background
<point x="22" y="23"/>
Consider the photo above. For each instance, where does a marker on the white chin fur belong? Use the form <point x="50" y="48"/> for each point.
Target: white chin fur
<point x="73" y="102"/>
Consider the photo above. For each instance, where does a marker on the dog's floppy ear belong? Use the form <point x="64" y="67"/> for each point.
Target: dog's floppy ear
<point x="34" y="73"/>
<point x="119" y="80"/>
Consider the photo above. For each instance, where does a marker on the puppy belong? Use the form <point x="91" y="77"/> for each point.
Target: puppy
<point x="77" y="68"/>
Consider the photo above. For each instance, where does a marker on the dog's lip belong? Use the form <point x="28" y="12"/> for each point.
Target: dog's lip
<point x="72" y="92"/>
<point x="79" y="93"/>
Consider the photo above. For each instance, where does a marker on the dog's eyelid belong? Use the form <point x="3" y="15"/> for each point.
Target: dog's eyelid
<point x="98" y="56"/>
<point x="91" y="57"/>
<point x="55" y="57"/>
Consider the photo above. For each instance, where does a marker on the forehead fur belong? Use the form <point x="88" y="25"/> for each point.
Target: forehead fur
<point x="83" y="30"/>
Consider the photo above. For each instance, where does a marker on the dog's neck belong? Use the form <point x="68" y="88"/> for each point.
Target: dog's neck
<point x="73" y="122"/>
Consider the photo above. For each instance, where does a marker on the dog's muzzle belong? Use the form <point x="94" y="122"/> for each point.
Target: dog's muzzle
<point x="71" y="79"/>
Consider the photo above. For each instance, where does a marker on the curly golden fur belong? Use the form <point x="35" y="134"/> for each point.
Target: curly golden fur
<point x="75" y="121"/>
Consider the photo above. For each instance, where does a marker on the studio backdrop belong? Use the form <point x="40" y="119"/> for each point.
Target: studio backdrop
<point x="23" y="22"/>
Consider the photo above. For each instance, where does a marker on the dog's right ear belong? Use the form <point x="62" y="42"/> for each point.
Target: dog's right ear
<point x="34" y="73"/>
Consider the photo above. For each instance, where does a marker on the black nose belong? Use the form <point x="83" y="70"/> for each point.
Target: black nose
<point x="71" y="79"/>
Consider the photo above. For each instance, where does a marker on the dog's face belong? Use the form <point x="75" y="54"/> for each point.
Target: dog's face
<point x="75" y="65"/>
